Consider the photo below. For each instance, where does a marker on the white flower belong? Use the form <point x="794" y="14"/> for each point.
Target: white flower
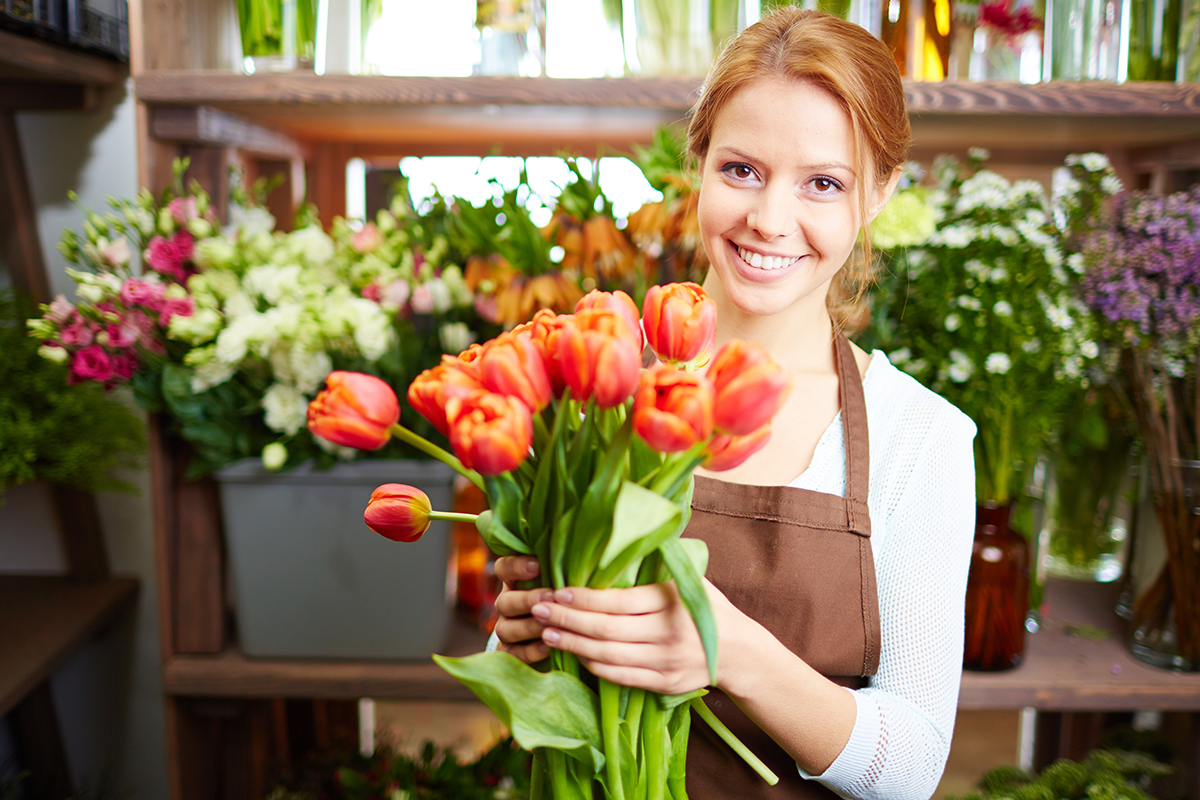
<point x="285" y="407"/>
<point x="274" y="456"/>
<point x="1089" y="349"/>
<point x="249" y="221"/>
<point x="978" y="153"/>
<point x="1111" y="184"/>
<point x="309" y="369"/>
<point x="1176" y="367"/>
<point x="314" y="244"/>
<point x="953" y="322"/>
<point x="916" y="366"/>
<point x="201" y="326"/>
<point x="440" y="294"/>
<point x="90" y="292"/>
<point x="998" y="275"/>
<point x="1072" y="367"/>
<point x="211" y="373"/>
<point x="968" y="302"/>
<point x="961" y="366"/>
<point x="1076" y="262"/>
<point x="1031" y="346"/>
<point x="977" y="268"/>
<point x="1003" y="308"/>
<point x="998" y="363"/>
<point x="455" y="337"/>
<point x="1059" y="317"/>
<point x="901" y="356"/>
<point x="1094" y="162"/>
<point x="956" y="236"/>
<point x="53" y="353"/>
<point x="372" y="329"/>
<point x="215" y="253"/>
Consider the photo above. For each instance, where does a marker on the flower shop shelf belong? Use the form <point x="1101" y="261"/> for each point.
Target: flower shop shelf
<point x="1079" y="661"/>
<point x="43" y="619"/>
<point x="384" y="116"/>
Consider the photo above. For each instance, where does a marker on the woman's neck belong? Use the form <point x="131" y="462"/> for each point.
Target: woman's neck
<point x="800" y="339"/>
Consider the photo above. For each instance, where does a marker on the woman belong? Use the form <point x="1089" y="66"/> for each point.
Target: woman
<point x="837" y="566"/>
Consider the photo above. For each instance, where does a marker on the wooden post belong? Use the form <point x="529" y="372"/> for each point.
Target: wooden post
<point x="18" y="217"/>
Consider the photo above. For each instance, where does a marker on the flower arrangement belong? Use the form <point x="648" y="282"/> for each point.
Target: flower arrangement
<point x="982" y="311"/>
<point x="1140" y="276"/>
<point x="1101" y="773"/>
<point x="586" y="459"/>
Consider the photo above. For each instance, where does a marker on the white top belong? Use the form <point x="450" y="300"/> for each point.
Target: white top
<point x="922" y="507"/>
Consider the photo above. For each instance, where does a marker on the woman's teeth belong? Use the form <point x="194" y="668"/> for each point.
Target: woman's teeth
<point x="766" y="262"/>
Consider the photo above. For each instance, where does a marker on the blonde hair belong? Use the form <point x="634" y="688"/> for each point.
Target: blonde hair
<point x="858" y="70"/>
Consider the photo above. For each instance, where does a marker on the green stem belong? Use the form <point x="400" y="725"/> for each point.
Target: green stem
<point x="700" y="707"/>
<point x="610" y="735"/>
<point x="653" y="741"/>
<point x="429" y="448"/>
<point x="453" y="516"/>
<point x="537" y="778"/>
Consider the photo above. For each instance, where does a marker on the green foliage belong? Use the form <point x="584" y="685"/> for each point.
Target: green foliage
<point x="74" y="435"/>
<point x="1102" y="775"/>
<point x="435" y="774"/>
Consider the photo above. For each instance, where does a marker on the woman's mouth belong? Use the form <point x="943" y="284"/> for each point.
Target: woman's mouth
<point x="760" y="261"/>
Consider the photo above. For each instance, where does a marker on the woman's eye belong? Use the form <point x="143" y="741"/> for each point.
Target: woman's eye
<point x="826" y="185"/>
<point x="740" y="171"/>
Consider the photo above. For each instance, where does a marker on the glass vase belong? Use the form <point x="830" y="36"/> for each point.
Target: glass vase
<point x="1164" y="617"/>
<point x="1000" y="57"/>
<point x="1188" y="69"/>
<point x="1083" y="40"/>
<point x="676" y="37"/>
<point x="1153" y="39"/>
<point x="277" y="35"/>
<point x="512" y="37"/>
<point x="997" y="600"/>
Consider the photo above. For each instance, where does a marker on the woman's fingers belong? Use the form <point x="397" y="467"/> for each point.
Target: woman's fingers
<point x="650" y="625"/>
<point x="511" y="569"/>
<point x="529" y="652"/>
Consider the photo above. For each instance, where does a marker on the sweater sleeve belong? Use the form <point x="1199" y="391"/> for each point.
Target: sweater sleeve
<point x="905" y="716"/>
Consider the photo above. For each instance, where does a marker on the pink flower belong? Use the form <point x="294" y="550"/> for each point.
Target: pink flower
<point x="488" y="307"/>
<point x="371" y="292"/>
<point x="124" y="366"/>
<point x="137" y="292"/>
<point x="183" y="307"/>
<point x="398" y="292"/>
<point x="422" y="300"/>
<point x="366" y="239"/>
<point x="116" y="254"/>
<point x="60" y="310"/>
<point x="121" y="334"/>
<point x="77" y="334"/>
<point x="91" y="364"/>
<point x="182" y="209"/>
<point x="168" y="256"/>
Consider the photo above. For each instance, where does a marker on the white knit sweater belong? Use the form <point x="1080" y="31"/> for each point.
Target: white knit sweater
<point x="922" y="506"/>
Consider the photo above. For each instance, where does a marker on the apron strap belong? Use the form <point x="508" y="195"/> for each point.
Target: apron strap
<point x="854" y="424"/>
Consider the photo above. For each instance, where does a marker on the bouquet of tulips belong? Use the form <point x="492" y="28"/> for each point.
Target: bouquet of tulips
<point x="587" y="460"/>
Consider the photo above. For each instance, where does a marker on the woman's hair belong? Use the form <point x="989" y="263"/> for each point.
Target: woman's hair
<point x="858" y="70"/>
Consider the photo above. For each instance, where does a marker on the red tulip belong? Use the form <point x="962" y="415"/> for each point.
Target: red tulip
<point x="750" y="387"/>
<point x="726" y="452"/>
<point x="512" y="365"/>
<point x="672" y="410"/>
<point x="680" y="322"/>
<point x="597" y="357"/>
<point x="398" y="512"/>
<point x="490" y="433"/>
<point x="428" y="392"/>
<point x="354" y="410"/>
<point x="620" y="303"/>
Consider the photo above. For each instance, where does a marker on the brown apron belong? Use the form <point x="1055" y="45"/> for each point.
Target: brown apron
<point x="799" y="562"/>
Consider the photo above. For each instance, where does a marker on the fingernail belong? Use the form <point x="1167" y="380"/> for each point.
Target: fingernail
<point x="546" y="596"/>
<point x="541" y="612"/>
<point x="531" y="568"/>
<point x="541" y="649"/>
<point x="564" y="596"/>
<point x="552" y="636"/>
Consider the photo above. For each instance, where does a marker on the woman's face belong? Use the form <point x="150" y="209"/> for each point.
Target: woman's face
<point x="779" y="197"/>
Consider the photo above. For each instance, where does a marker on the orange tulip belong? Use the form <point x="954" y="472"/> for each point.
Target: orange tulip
<point x="398" y="512"/>
<point x="680" y="322"/>
<point x="672" y="410"/>
<point x="618" y="302"/>
<point x="726" y="452"/>
<point x="595" y="363"/>
<point x="544" y="330"/>
<point x="750" y="387"/>
<point x="354" y="410"/>
<point x="490" y="433"/>
<point x="511" y="364"/>
<point x="428" y="392"/>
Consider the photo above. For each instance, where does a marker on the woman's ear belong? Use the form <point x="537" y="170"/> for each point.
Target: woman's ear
<point x="883" y="193"/>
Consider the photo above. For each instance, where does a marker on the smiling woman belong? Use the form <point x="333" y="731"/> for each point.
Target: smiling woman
<point x="838" y="561"/>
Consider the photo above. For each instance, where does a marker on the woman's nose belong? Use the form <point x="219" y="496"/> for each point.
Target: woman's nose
<point x="773" y="215"/>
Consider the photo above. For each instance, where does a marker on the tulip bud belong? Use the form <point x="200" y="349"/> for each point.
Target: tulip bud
<point x="726" y="452"/>
<point x="672" y="410"/>
<point x="490" y="433"/>
<point x="597" y="357"/>
<point x="274" y="455"/>
<point x="750" y="387"/>
<point x="354" y="410"/>
<point x="512" y="365"/>
<point x="398" y="512"/>
<point x="680" y="323"/>
<point x="620" y="303"/>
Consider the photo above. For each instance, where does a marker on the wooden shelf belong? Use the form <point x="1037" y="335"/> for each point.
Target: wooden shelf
<point x="379" y="115"/>
<point x="27" y="58"/>
<point x="43" y="619"/>
<point x="1063" y="672"/>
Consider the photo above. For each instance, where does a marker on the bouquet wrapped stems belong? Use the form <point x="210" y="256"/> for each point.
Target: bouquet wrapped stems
<point x="587" y="461"/>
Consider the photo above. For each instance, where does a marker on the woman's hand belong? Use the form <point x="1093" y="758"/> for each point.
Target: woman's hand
<point x="641" y="636"/>
<point x="519" y="633"/>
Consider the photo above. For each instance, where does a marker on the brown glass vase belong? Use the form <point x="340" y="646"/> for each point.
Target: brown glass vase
<point x="997" y="593"/>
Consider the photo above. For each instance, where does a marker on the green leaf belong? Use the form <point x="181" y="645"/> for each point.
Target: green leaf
<point x="542" y="709"/>
<point x="499" y="539"/>
<point x="504" y="499"/>
<point x="686" y="563"/>
<point x="642" y="521"/>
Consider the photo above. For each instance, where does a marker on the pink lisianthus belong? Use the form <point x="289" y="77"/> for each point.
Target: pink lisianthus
<point x="372" y="292"/>
<point x="366" y="238"/>
<point x="398" y="292"/>
<point x="182" y="306"/>
<point x="60" y="310"/>
<point x="422" y="300"/>
<point x="183" y="209"/>
<point x="91" y="364"/>
<point x="124" y="366"/>
<point x="77" y="334"/>
<point x="138" y="292"/>
<point x="121" y="334"/>
<point x="116" y="254"/>
<point x="168" y="256"/>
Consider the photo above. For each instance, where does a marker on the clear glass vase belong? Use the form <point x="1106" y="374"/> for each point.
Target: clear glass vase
<point x="512" y="37"/>
<point x="1153" y="39"/>
<point x="277" y="35"/>
<point x="1083" y="40"/>
<point x="999" y="57"/>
